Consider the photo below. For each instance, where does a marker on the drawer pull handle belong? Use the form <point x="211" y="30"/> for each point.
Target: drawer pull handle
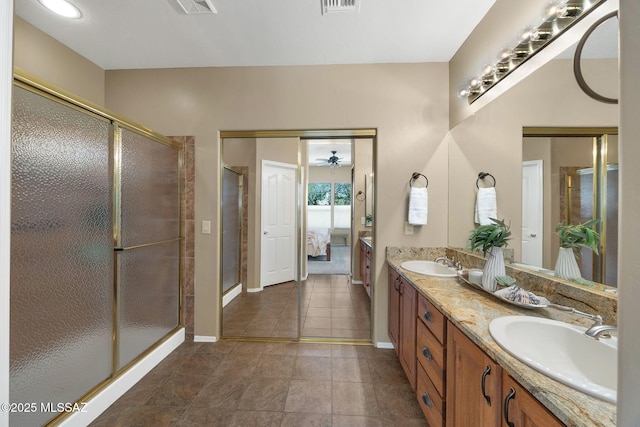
<point x="486" y="372"/>
<point x="427" y="316"/>
<point x="511" y="395"/>
<point x="427" y="400"/>
<point x="426" y="353"/>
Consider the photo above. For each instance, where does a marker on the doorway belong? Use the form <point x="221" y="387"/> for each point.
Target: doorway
<point x="305" y="306"/>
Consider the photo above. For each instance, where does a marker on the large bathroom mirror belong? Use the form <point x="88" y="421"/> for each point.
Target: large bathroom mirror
<point x="290" y="232"/>
<point x="498" y="140"/>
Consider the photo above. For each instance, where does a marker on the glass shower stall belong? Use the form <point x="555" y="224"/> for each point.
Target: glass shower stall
<point x="95" y="248"/>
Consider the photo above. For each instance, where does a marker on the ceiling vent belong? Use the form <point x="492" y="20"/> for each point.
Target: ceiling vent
<point x="192" y="7"/>
<point x="340" y="6"/>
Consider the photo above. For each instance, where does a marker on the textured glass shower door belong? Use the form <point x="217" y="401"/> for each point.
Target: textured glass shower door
<point x="61" y="254"/>
<point x="148" y="265"/>
<point x="231" y="228"/>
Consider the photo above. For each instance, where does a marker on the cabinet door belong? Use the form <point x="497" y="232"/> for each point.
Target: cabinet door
<point x="520" y="408"/>
<point x="394" y="308"/>
<point x="408" y="318"/>
<point x="473" y="383"/>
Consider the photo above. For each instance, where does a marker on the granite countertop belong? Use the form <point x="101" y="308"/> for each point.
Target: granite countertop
<point x="366" y="240"/>
<point x="471" y="310"/>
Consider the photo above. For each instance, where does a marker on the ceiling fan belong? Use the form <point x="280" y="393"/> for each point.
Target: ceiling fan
<point x="333" y="161"/>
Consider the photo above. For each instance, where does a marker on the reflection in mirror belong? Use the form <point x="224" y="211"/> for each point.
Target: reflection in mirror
<point x="290" y="226"/>
<point x="550" y="99"/>
<point x="570" y="179"/>
<point x="368" y="202"/>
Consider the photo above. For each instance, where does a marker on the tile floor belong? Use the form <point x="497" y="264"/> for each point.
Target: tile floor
<point x="331" y="307"/>
<point x="241" y="383"/>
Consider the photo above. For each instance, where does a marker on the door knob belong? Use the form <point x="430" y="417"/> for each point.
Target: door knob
<point x="533" y="234"/>
<point x="265" y="232"/>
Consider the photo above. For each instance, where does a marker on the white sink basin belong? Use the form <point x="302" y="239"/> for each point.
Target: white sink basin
<point x="561" y="351"/>
<point x="429" y="268"/>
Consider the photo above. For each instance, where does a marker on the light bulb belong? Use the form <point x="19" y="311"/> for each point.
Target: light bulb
<point x="555" y="9"/>
<point x="62" y="8"/>
<point x="505" y="53"/>
<point x="488" y="69"/>
<point x="528" y="34"/>
<point x="464" y="92"/>
<point x="475" y="82"/>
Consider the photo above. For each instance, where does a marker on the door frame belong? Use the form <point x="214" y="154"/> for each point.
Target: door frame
<point x="355" y="133"/>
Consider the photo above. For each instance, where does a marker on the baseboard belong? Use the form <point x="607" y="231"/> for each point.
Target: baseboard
<point x="204" y="338"/>
<point x="254" y="289"/>
<point x="233" y="292"/>
<point x="106" y="397"/>
<point x="384" y="345"/>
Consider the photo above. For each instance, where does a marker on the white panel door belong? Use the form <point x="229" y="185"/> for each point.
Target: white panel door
<point x="278" y="248"/>
<point x="532" y="212"/>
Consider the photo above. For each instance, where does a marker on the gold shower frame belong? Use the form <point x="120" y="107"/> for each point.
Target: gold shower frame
<point x="40" y="87"/>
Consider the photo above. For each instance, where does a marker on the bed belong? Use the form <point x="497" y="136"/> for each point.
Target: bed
<point x="319" y="242"/>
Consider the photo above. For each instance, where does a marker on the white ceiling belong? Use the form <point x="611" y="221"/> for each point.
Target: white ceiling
<point x="132" y="34"/>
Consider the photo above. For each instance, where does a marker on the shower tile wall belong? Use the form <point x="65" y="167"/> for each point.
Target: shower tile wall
<point x="188" y="218"/>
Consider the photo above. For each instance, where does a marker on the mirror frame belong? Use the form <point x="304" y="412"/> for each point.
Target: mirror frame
<point x="577" y="66"/>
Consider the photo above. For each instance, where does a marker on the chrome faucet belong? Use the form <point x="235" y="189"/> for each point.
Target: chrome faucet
<point x="451" y="263"/>
<point x="448" y="262"/>
<point x="597" y="331"/>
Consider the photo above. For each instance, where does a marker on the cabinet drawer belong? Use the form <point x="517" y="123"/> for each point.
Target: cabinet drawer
<point x="431" y="355"/>
<point x="432" y="318"/>
<point x="431" y="403"/>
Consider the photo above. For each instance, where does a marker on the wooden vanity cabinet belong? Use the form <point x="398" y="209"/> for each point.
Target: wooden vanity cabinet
<point x="457" y="384"/>
<point x="393" y="306"/>
<point x="402" y="323"/>
<point x="474" y="383"/>
<point x="365" y="266"/>
<point x="431" y="356"/>
<point x="520" y="408"/>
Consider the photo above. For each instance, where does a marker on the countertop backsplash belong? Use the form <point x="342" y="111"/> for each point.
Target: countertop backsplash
<point x="593" y="300"/>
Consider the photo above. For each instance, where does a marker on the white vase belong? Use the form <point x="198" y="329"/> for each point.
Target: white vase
<point x="492" y="268"/>
<point x="566" y="265"/>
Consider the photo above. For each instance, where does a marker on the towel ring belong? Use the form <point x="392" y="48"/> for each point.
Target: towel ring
<point x="483" y="175"/>
<point x="416" y="176"/>
<point x="360" y="196"/>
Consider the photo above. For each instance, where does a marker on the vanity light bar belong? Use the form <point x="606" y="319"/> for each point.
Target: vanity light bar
<point x="558" y="16"/>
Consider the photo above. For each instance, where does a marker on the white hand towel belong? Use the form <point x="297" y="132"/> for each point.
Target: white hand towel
<point x="486" y="206"/>
<point x="418" y="206"/>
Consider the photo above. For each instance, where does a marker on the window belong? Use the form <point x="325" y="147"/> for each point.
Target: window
<point x="325" y="208"/>
<point x="319" y="194"/>
<point x="342" y="205"/>
<point x="319" y="205"/>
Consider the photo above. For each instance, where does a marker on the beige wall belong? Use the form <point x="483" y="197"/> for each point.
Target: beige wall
<point x="629" y="226"/>
<point x="407" y="103"/>
<point x="43" y="56"/>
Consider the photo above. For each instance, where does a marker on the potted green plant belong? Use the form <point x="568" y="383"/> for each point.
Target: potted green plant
<point x="491" y="238"/>
<point x="572" y="239"/>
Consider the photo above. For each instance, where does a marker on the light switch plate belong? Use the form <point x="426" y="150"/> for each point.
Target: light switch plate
<point x="206" y="227"/>
<point x="408" y="228"/>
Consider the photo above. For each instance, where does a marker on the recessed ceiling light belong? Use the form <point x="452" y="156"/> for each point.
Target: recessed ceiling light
<point x="62" y="8"/>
